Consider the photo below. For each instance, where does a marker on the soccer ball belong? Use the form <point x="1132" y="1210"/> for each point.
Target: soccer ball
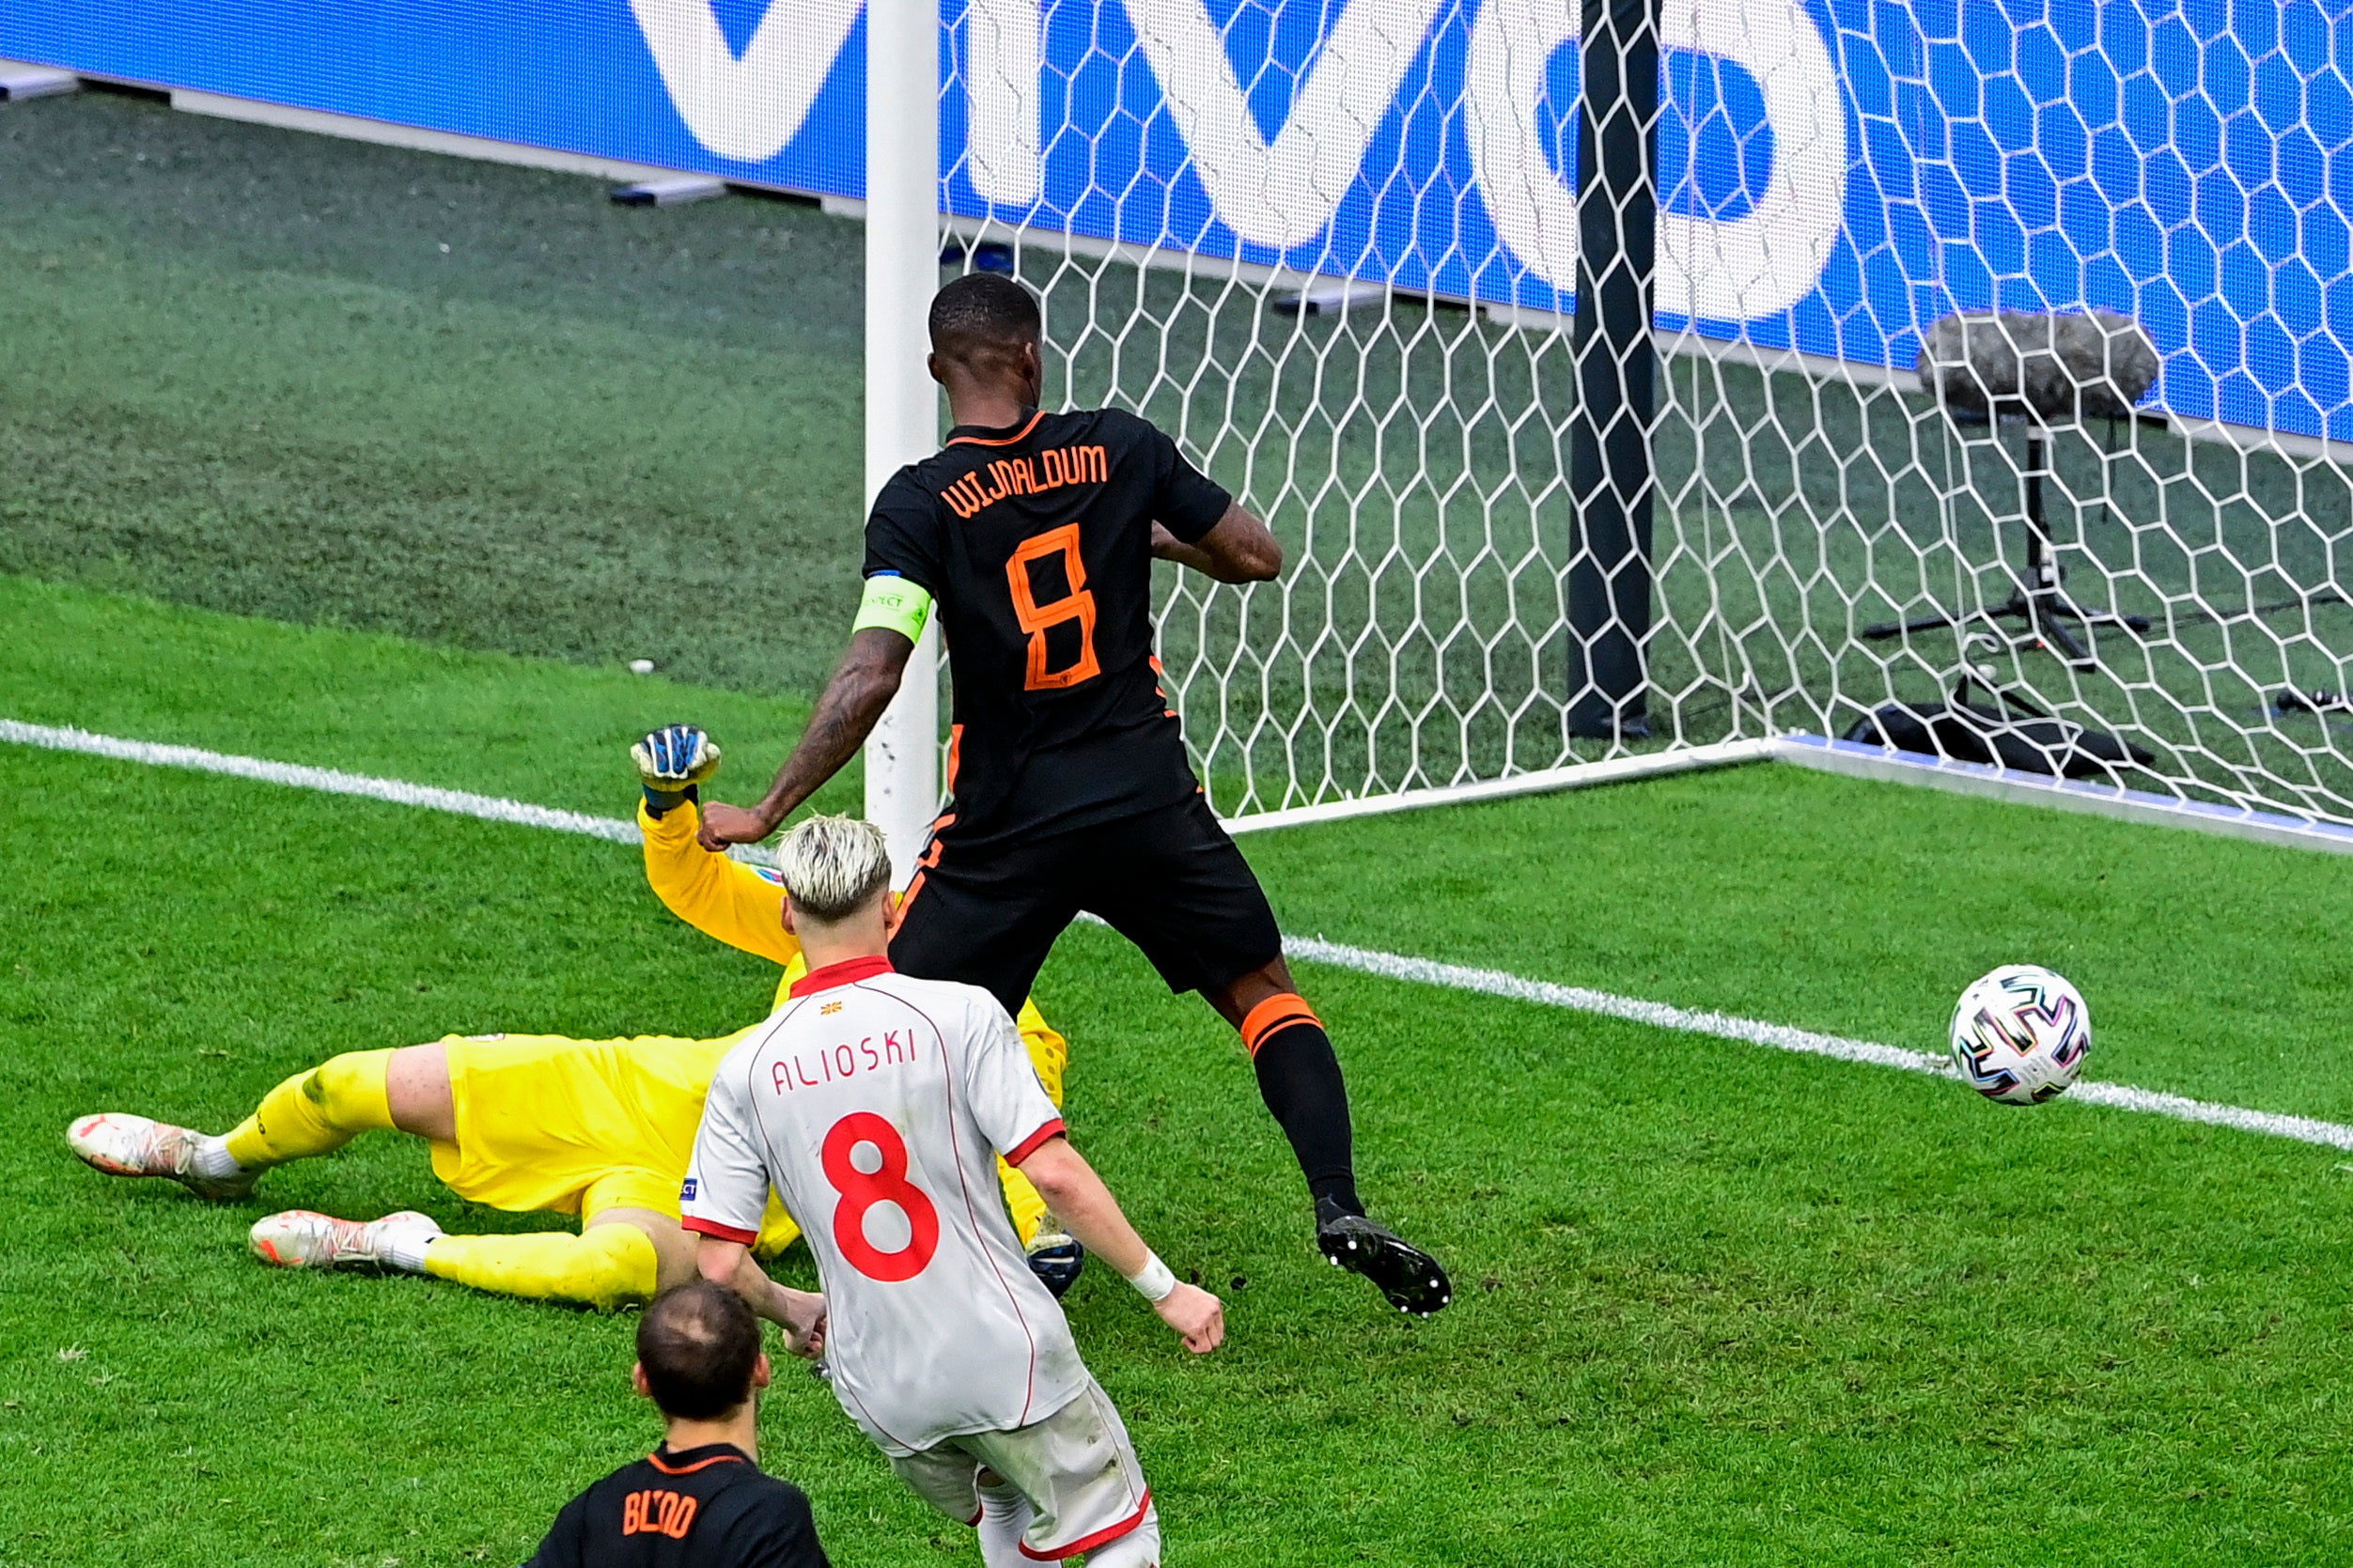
<point x="2020" y="1035"/>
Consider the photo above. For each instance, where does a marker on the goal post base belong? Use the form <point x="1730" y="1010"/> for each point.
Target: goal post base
<point x="1861" y="761"/>
<point x="1852" y="759"/>
<point x="1582" y="775"/>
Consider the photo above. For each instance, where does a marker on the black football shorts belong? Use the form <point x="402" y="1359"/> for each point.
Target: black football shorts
<point x="1170" y="881"/>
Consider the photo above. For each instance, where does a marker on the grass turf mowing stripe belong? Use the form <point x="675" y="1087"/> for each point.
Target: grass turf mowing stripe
<point x="1390" y="966"/>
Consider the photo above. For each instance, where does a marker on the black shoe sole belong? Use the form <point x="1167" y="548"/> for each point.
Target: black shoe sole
<point x="1412" y="1281"/>
<point x="1057" y="1267"/>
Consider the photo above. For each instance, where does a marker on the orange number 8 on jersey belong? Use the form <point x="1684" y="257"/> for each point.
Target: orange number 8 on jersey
<point x="862" y="1190"/>
<point x="1036" y="619"/>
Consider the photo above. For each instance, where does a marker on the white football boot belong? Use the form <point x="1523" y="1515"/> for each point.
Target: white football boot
<point x="300" y="1239"/>
<point x="126" y="1145"/>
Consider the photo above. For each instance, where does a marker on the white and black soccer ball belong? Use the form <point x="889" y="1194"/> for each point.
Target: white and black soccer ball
<point x="2020" y="1035"/>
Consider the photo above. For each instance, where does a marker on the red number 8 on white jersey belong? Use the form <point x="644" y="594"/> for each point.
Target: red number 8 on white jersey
<point x="862" y="1190"/>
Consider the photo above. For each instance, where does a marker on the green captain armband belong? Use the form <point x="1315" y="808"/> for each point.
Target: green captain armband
<point x="893" y="604"/>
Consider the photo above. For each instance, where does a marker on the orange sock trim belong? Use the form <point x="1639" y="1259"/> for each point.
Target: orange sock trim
<point x="1274" y="1015"/>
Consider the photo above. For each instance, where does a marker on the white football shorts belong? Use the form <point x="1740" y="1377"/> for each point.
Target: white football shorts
<point x="1077" y="1469"/>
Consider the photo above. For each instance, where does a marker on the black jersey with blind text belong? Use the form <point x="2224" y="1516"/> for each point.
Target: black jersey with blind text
<point x="1035" y="543"/>
<point x="707" y="1507"/>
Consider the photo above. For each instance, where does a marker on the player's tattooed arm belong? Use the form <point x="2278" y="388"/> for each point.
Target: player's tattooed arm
<point x="1240" y="549"/>
<point x="863" y="686"/>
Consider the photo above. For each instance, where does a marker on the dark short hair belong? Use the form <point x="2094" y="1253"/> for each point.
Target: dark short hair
<point x="982" y="315"/>
<point x="699" y="1345"/>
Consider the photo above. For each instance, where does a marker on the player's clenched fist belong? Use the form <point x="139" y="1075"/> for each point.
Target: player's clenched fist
<point x="805" y="1323"/>
<point x="1196" y="1315"/>
<point x="724" y="825"/>
<point x="671" y="761"/>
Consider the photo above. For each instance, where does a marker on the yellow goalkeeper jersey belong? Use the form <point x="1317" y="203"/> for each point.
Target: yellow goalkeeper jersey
<point x="743" y="906"/>
<point x="577" y="1126"/>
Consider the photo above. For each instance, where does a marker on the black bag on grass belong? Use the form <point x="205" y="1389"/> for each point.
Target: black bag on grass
<point x="2027" y="742"/>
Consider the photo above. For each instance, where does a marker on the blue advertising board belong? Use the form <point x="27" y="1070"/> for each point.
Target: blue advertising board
<point x="1835" y="174"/>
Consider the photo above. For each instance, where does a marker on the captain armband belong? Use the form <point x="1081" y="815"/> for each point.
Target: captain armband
<point x="893" y="604"/>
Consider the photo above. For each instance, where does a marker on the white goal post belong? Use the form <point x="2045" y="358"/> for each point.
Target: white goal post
<point x="1582" y="461"/>
<point x="902" y="404"/>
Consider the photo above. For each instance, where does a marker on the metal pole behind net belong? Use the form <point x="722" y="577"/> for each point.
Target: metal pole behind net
<point x="1610" y="472"/>
<point x="902" y="756"/>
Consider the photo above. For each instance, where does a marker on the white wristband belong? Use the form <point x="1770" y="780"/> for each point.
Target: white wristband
<point x="1154" y="1281"/>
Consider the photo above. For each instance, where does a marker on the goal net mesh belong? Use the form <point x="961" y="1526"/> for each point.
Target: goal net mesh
<point x="1331" y="247"/>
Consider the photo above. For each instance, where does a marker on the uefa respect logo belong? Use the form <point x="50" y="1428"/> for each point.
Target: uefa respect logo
<point x="1282" y="191"/>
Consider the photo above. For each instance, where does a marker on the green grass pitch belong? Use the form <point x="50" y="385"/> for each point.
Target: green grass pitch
<point x="288" y="376"/>
<point x="1719" y="1305"/>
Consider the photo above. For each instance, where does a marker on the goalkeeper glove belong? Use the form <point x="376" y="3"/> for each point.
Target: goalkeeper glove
<point x="671" y="761"/>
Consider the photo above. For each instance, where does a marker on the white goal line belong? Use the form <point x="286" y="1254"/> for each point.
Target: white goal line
<point x="1723" y="1025"/>
<point x="1315" y="949"/>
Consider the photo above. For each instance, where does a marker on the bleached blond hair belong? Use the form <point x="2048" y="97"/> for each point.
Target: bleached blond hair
<point x="833" y="866"/>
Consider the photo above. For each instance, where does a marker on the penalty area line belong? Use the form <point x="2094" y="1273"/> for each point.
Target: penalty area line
<point x="1387" y="965"/>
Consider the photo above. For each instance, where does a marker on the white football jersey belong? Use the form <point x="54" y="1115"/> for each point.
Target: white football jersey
<point x="876" y="1104"/>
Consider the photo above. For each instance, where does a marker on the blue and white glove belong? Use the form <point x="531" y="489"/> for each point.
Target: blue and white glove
<point x="671" y="761"/>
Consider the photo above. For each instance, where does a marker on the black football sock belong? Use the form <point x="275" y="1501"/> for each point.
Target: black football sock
<point x="1299" y="1074"/>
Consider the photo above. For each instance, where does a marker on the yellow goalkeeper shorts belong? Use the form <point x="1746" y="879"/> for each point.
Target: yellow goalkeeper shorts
<point x="579" y="1126"/>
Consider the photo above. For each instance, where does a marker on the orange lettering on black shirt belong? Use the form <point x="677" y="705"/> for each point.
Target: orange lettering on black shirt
<point x="1048" y="470"/>
<point x="670" y="1514"/>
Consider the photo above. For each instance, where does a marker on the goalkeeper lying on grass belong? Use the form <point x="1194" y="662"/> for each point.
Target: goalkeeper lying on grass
<point x="601" y="1129"/>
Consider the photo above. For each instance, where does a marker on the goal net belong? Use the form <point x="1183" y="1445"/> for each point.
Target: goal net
<point x="1335" y="246"/>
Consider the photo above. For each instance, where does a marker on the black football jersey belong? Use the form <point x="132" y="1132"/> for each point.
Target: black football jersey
<point x="1035" y="543"/>
<point x="707" y="1507"/>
